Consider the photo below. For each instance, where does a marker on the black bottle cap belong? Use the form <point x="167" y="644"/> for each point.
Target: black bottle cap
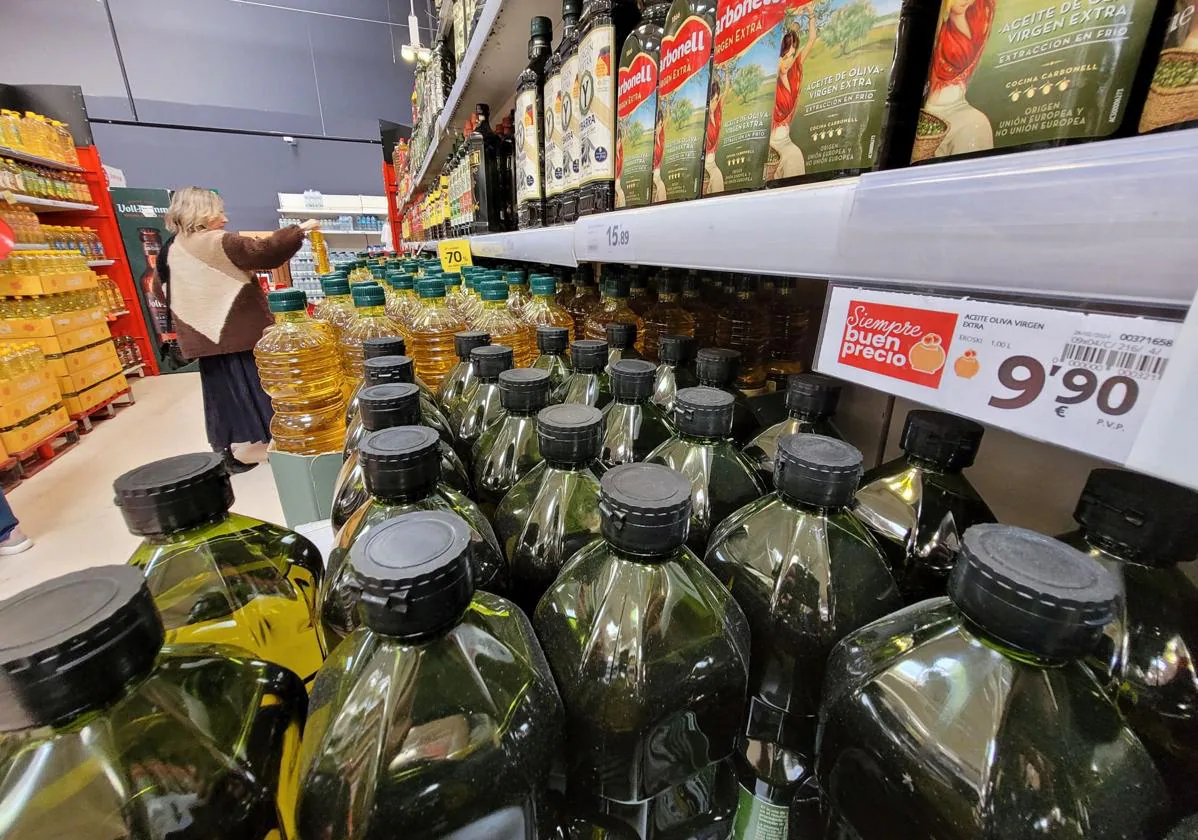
<point x="382" y="369"/>
<point x="464" y="342"/>
<point x="948" y="441"/>
<point x="552" y="341"/>
<point x="621" y="335"/>
<point x="388" y="405"/>
<point x="71" y="645"/>
<point x="1032" y="592"/>
<point x="541" y="27"/>
<point x="571" y="7"/>
<point x="1141" y="519"/>
<point x="717" y="367"/>
<point x="402" y="462"/>
<point x="632" y="380"/>
<point x="588" y="355"/>
<point x="817" y="470"/>
<point x="812" y="395"/>
<point x="524" y="389"/>
<point x="384" y="345"/>
<point x="491" y="360"/>
<point x="645" y="508"/>
<point x="676" y="349"/>
<point x="413" y="574"/>
<point x="570" y="433"/>
<point x="704" y="412"/>
<point x="175" y="493"/>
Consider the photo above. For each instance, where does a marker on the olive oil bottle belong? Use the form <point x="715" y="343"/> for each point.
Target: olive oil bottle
<point x="719" y="367"/>
<point x="635" y="425"/>
<point x="682" y="87"/>
<point x="589" y="383"/>
<point x="373" y="348"/>
<point x="461" y="380"/>
<point x="636" y="108"/>
<point x="676" y="371"/>
<point x="559" y="99"/>
<point x="811" y="400"/>
<point x="384" y="370"/>
<point x="483" y="406"/>
<point x="508" y="448"/>
<point x="530" y="127"/>
<point x="552" y="344"/>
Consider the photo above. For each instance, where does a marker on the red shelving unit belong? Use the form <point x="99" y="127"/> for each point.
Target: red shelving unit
<point x="392" y="189"/>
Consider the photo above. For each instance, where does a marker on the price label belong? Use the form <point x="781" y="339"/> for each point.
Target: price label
<point x="454" y="254"/>
<point x="605" y="241"/>
<point x="1079" y="380"/>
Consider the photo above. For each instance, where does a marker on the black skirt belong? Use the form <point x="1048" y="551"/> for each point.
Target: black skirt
<point x="236" y="409"/>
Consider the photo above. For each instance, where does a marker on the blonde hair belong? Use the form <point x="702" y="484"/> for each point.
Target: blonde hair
<point x="193" y="209"/>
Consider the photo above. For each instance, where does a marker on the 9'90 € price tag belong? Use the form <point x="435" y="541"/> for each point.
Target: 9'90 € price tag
<point x="1080" y="380"/>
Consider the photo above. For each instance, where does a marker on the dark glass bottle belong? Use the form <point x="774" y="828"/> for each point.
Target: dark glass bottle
<point x="919" y="504"/>
<point x="530" y="127"/>
<point x="483" y="406"/>
<point x="508" y="448"/>
<point x="560" y="102"/>
<point x="636" y="108"/>
<point x="383" y="370"/>
<point x="589" y="383"/>
<point x="1142" y="530"/>
<point x="717" y="367"/>
<point x="586" y="298"/>
<point x="811" y="400"/>
<point x="621" y="343"/>
<point x="373" y="348"/>
<point x="676" y="370"/>
<point x="806" y="573"/>
<point x="402" y="470"/>
<point x="650" y="654"/>
<point x="384" y="407"/>
<point x="461" y="381"/>
<point x="702" y="449"/>
<point x="218" y="577"/>
<point x="105" y="733"/>
<point x="666" y="316"/>
<point x="552" y="343"/>
<point x="635" y="425"/>
<point x="973" y="716"/>
<point x="553" y="510"/>
<point x="438" y="718"/>
<point x="482" y="148"/>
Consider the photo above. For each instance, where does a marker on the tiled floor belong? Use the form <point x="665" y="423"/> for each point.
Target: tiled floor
<point x="67" y="508"/>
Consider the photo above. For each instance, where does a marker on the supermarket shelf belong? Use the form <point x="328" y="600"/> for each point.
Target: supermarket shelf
<point x="352" y="232"/>
<point x="316" y="213"/>
<point x="46" y="205"/>
<point x="554" y="245"/>
<point x="112" y="316"/>
<point x="49" y="163"/>
<point x="31" y="246"/>
<point x="444" y="17"/>
<point x="135" y="370"/>
<point x="99" y="263"/>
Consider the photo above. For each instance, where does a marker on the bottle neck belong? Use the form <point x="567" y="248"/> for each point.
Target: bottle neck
<point x="495" y="305"/>
<point x="667" y="297"/>
<point x="1025" y="657"/>
<point x="808" y="507"/>
<point x="806" y="416"/>
<point x="931" y="466"/>
<point x="391" y="497"/>
<point x="297" y="316"/>
<point x="545" y="298"/>
<point x="371" y="311"/>
<point x="187" y="532"/>
<point x="691" y="437"/>
<point x="646" y="559"/>
<point x="538" y="50"/>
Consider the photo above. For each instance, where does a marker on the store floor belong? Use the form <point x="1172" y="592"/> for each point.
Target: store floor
<point x="67" y="508"/>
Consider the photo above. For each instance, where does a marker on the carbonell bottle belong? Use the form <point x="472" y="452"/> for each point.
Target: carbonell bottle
<point x="683" y="79"/>
<point x="637" y="149"/>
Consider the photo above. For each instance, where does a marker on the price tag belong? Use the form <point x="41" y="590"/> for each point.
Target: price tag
<point x="454" y="254"/>
<point x="608" y="241"/>
<point x="1083" y="381"/>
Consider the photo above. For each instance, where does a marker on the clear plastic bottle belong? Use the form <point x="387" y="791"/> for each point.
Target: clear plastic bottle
<point x="612" y="309"/>
<point x="811" y="400"/>
<point x="372" y="348"/>
<point x="742" y="324"/>
<point x="589" y="383"/>
<point x="584" y="299"/>
<point x="676" y="370"/>
<point x="666" y="316"/>
<point x="717" y="367"/>
<point x="508" y="448"/>
<point x="456" y="387"/>
<point x="621" y="343"/>
<point x="483" y="406"/>
<point x="543" y="308"/>
<point x="402" y="305"/>
<point x="372" y="322"/>
<point x="790" y="320"/>
<point x="518" y="294"/>
<point x="703" y="314"/>
<point x="299" y="369"/>
<point x="635" y="426"/>
<point x="431" y="337"/>
<point x="401" y="468"/>
<point x="504" y="327"/>
<point x="383" y="370"/>
<point x="219" y="577"/>
<point x="107" y="733"/>
<point x="458" y="672"/>
<point x="640" y="296"/>
<point x="552" y="343"/>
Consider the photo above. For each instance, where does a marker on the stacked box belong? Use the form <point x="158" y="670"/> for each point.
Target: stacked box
<point x="25" y="285"/>
<point x="67" y="364"/>
<point x="34" y="430"/>
<point x="89" y="398"/>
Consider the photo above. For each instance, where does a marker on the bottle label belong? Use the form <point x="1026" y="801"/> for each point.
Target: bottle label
<point x="569" y="121"/>
<point x="1173" y="96"/>
<point x="459" y="30"/>
<point x="1010" y="72"/>
<point x="740" y="103"/>
<point x="682" y="102"/>
<point x="527" y="138"/>
<point x="596" y="105"/>
<point x="555" y="172"/>
<point x="636" y="107"/>
<point x="758" y="819"/>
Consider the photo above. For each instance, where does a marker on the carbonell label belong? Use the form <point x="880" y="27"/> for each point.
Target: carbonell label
<point x="555" y="172"/>
<point x="596" y="105"/>
<point x="528" y="152"/>
<point x="683" y="80"/>
<point x="636" y="106"/>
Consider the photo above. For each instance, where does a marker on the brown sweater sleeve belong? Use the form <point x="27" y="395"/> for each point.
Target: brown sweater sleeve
<point x="250" y="254"/>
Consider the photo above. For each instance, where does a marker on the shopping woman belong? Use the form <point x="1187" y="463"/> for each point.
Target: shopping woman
<point x="219" y="313"/>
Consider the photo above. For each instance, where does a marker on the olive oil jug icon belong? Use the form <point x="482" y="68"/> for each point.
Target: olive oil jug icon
<point x="928" y="355"/>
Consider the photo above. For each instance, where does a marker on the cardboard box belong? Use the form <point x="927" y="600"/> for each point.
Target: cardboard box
<point x="60" y="324"/>
<point x="305" y="484"/>
<point x="25" y="437"/>
<point x="12" y="285"/>
<point x="75" y="383"/>
<point x="85" y="401"/>
<point x="77" y="361"/>
<point x="65" y="343"/>
<point x="27" y="395"/>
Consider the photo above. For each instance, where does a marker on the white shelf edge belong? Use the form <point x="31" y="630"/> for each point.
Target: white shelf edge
<point x="315" y="212"/>
<point x="46" y="204"/>
<point x="352" y="232"/>
<point x="31" y="246"/>
<point x="100" y="263"/>
<point x="27" y="157"/>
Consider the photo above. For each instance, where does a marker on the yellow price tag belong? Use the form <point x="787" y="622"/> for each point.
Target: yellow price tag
<point x="454" y="254"/>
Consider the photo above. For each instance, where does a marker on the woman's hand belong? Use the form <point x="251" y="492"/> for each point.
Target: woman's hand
<point x="309" y="225"/>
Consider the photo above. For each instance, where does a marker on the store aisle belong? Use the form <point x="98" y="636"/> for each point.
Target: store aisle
<point x="67" y="509"/>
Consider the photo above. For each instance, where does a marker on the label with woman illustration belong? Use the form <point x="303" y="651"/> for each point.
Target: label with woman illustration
<point x="1008" y="73"/>
<point x="685" y="77"/>
<point x="1173" y="97"/>
<point x="637" y="151"/>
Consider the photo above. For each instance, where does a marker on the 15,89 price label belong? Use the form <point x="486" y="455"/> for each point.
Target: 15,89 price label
<point x="1083" y="381"/>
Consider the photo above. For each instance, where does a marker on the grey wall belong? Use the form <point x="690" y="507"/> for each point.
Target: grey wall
<point x="325" y="68"/>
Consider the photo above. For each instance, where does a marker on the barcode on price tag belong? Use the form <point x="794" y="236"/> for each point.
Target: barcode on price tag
<point x="1077" y="379"/>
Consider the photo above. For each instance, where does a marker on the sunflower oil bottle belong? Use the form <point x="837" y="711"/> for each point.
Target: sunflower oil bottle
<point x="431" y="338"/>
<point x="403" y="304"/>
<point x="518" y="294"/>
<point x="613" y="308"/>
<point x="298" y="366"/>
<point x="504" y="327"/>
<point x="666" y="316"/>
<point x="542" y="307"/>
<point x="743" y="324"/>
<point x="372" y="322"/>
<point x="584" y="299"/>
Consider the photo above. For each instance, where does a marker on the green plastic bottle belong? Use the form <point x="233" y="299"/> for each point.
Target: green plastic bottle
<point x="553" y="510"/>
<point x="702" y="449"/>
<point x="552" y="344"/>
<point x="383" y="370"/>
<point x="974" y="717"/>
<point x="372" y="348"/>
<point x="589" y="383"/>
<point x="811" y="400"/>
<point x="438" y="717"/>
<point x="402" y="470"/>
<point x="716" y="367"/>
<point x="1142" y="530"/>
<point x="105" y="733"/>
<point x="806" y="573"/>
<point x="919" y="504"/>
<point x="385" y="407"/>
<point x="621" y="342"/>
<point x="675" y="370"/>
<point x="219" y="577"/>
<point x="635" y="425"/>
<point x="508" y="448"/>
<point x="483" y="406"/>
<point x="460" y="382"/>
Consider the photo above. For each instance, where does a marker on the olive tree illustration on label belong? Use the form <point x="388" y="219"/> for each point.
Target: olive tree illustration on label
<point x="636" y="148"/>
<point x="1173" y="97"/>
<point x="683" y="81"/>
<point x="1010" y="73"/>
